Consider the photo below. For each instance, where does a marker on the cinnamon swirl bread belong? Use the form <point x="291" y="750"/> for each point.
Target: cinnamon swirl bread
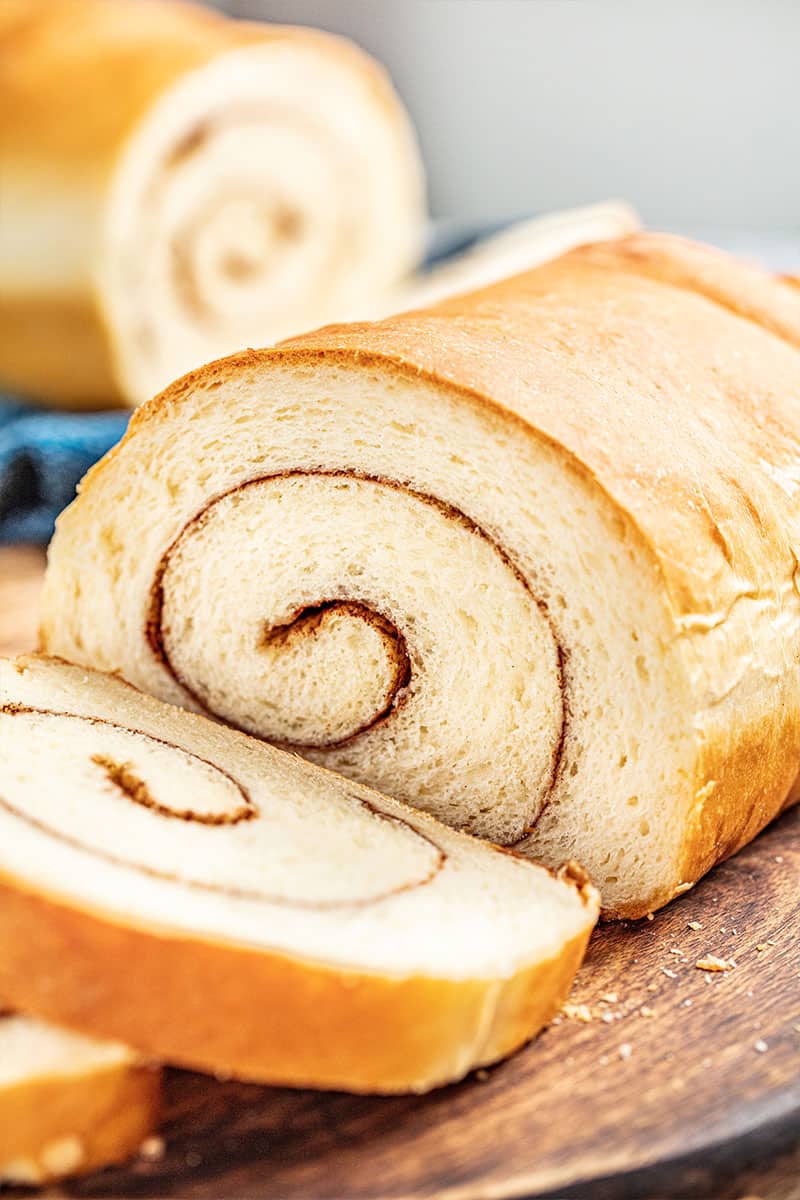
<point x="176" y="184"/>
<point x="527" y="559"/>
<point x="215" y="902"/>
<point x="68" y="1104"/>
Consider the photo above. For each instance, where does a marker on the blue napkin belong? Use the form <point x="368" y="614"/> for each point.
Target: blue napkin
<point x="44" y="454"/>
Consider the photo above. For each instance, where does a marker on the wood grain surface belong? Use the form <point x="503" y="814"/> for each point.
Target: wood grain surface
<point x="661" y="1080"/>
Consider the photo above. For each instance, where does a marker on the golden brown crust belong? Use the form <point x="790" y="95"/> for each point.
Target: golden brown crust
<point x="264" y="1016"/>
<point x="56" y="348"/>
<point x="113" y="61"/>
<point x="666" y="375"/>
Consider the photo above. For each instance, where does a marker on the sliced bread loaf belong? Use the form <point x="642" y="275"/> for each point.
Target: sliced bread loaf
<point x="526" y="560"/>
<point x="215" y="902"/>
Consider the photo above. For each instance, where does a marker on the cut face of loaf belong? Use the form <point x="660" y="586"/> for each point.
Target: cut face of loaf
<point x="175" y="183"/>
<point x="68" y="1104"/>
<point x="526" y="560"/>
<point x="218" y="903"/>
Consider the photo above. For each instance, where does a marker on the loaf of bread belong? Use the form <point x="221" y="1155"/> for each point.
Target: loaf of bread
<point x="214" y="902"/>
<point x="68" y="1104"/>
<point x="526" y="560"/>
<point x="176" y="184"/>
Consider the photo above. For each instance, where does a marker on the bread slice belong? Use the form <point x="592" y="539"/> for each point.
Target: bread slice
<point x="68" y="1104"/>
<point x="175" y="182"/>
<point x="218" y="903"/>
<point x="527" y="559"/>
<point x="519" y="247"/>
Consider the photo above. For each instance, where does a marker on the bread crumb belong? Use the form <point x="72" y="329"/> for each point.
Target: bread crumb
<point x="607" y="1016"/>
<point x="761" y="947"/>
<point x="686" y="1004"/>
<point x="646" y="1011"/>
<point x="609" y="997"/>
<point x="650" y="917"/>
<point x="152" y="1148"/>
<point x="778" y="858"/>
<point x="761" y="1046"/>
<point x="577" y="1012"/>
<point x="669" y="974"/>
<point x="652" y="987"/>
<point x="482" y="1075"/>
<point x="694" y="925"/>
<point x="625" y="1051"/>
<point x="62" y="1156"/>
<point x="712" y="963"/>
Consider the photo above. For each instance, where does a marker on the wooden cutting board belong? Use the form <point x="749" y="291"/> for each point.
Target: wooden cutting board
<point x="663" y="1079"/>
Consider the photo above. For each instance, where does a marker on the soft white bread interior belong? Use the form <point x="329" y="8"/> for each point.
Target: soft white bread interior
<point x="68" y="1104"/>
<point x="216" y="902"/>
<point x="176" y="183"/>
<point x="526" y="559"/>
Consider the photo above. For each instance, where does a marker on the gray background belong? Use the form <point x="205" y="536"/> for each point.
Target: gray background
<point x="690" y="109"/>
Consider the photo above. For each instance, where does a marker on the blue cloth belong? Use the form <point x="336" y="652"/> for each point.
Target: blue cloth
<point x="42" y="456"/>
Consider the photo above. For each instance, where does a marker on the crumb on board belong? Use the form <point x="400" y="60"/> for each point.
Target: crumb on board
<point x="694" y="925"/>
<point x="153" y="1148"/>
<point x="625" y="1051"/>
<point x="712" y="963"/>
<point x="761" y="1046"/>
<point x="482" y="1075"/>
<point x="646" y="1011"/>
<point x="577" y="1012"/>
<point x="669" y="974"/>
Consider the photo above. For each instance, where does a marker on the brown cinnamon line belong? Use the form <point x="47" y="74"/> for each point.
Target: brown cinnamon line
<point x="308" y="621"/>
<point x="245" y="812"/>
<point x="248" y="894"/>
<point x="124" y="779"/>
<point x="154" y="630"/>
<point x="193" y="141"/>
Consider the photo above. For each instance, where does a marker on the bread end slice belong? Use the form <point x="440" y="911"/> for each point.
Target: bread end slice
<point x="300" y="930"/>
<point x="69" y="1105"/>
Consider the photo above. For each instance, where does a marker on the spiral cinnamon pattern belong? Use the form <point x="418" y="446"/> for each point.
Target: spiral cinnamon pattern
<point x="127" y="778"/>
<point x="309" y="651"/>
<point x="246" y="212"/>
